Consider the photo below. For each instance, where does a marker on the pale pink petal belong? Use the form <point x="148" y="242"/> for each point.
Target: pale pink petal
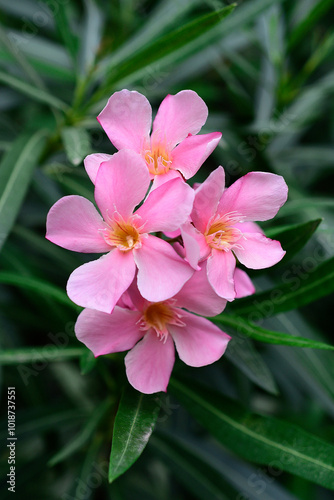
<point x="167" y="207"/>
<point x="126" y="119"/>
<point x="92" y="163"/>
<point x="195" y="245"/>
<point x="161" y="272"/>
<point x="221" y="266"/>
<point x="74" y="223"/>
<point x="158" y="180"/>
<point x="257" y="196"/>
<point x="199" y="342"/>
<point x="191" y="153"/>
<point x="180" y="115"/>
<point x="121" y="184"/>
<point x="207" y="197"/>
<point x="198" y="296"/>
<point x="100" y="283"/>
<point x="258" y="252"/>
<point x="149" y="364"/>
<point x="106" y="333"/>
<point x="249" y="227"/>
<point x="243" y="284"/>
<point x="134" y="294"/>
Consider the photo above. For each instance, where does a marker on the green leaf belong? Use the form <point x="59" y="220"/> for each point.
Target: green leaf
<point x="63" y="26"/>
<point x="305" y="27"/>
<point x="84" y="436"/>
<point x="46" y="353"/>
<point x="251" y="330"/>
<point x="87" y="362"/>
<point x="32" y="92"/>
<point x="293" y="238"/>
<point x="300" y="287"/>
<point x="260" y="439"/>
<point x="165" y="45"/>
<point x="77" y="144"/>
<point x="242" y="354"/>
<point x="134" y="423"/>
<point x="16" y="170"/>
<point x="38" y="286"/>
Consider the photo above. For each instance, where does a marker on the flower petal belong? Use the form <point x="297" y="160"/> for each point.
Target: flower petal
<point x="207" y="197"/>
<point x="149" y="364"/>
<point x="121" y="184"/>
<point x="199" y="342"/>
<point x="92" y="163"/>
<point x="158" y="180"/>
<point x="167" y="207"/>
<point x="161" y="272"/>
<point x="126" y="119"/>
<point x="221" y="266"/>
<point x="258" y="252"/>
<point x="100" y="283"/>
<point x="243" y="284"/>
<point x="74" y="223"/>
<point x="106" y="333"/>
<point x="195" y="245"/>
<point x="178" y="116"/>
<point x="257" y="196"/>
<point x="192" y="152"/>
<point x="198" y="296"/>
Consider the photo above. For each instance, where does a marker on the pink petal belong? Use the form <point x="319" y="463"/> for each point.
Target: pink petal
<point x="161" y="272"/>
<point x="258" y="252"/>
<point x="100" y="283"/>
<point x="121" y="184"/>
<point x="149" y="364"/>
<point x="106" y="333"/>
<point x="180" y="115"/>
<point x="198" y="296"/>
<point x="74" y="223"/>
<point x="221" y="266"/>
<point x="199" y="342"/>
<point x="93" y="162"/>
<point x="126" y="119"/>
<point x="167" y="207"/>
<point x="158" y="180"/>
<point x="256" y="196"/>
<point x="207" y="197"/>
<point x="192" y="152"/>
<point x="249" y="227"/>
<point x="195" y="245"/>
<point x="243" y="284"/>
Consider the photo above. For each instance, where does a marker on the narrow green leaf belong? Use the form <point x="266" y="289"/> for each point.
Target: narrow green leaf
<point x="77" y="144"/>
<point x="134" y="423"/>
<point x="244" y="356"/>
<point x="63" y="26"/>
<point x="33" y="354"/>
<point x="260" y="439"/>
<point x="36" y="285"/>
<point x="302" y="29"/>
<point x="300" y="287"/>
<point x="166" y="45"/>
<point x="16" y="170"/>
<point x="84" y="436"/>
<point x="33" y="92"/>
<point x="251" y="330"/>
<point x="293" y="238"/>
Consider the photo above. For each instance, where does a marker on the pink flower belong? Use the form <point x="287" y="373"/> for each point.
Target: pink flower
<point x="150" y="329"/>
<point x="221" y="230"/>
<point x="173" y="147"/>
<point x="74" y="223"/>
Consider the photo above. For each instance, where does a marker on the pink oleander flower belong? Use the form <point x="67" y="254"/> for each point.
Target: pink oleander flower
<point x="222" y="228"/>
<point x="173" y="148"/>
<point x="150" y="330"/>
<point x="75" y="224"/>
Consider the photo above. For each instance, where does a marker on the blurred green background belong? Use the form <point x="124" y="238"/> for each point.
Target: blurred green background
<point x="266" y="73"/>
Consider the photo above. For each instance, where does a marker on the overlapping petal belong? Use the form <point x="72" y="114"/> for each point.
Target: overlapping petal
<point x="207" y="197"/>
<point x="74" y="223"/>
<point x="221" y="267"/>
<point x="149" y="364"/>
<point x="192" y="152"/>
<point x="258" y="252"/>
<point x="199" y="342"/>
<point x="92" y="164"/>
<point x="106" y="333"/>
<point x="243" y="284"/>
<point x="127" y="119"/>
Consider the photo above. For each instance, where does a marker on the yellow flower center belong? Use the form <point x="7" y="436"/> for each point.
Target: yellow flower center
<point x="158" y="315"/>
<point x="221" y="234"/>
<point x="158" y="159"/>
<point x="123" y="234"/>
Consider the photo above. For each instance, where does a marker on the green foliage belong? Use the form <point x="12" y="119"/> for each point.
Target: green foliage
<point x="265" y="70"/>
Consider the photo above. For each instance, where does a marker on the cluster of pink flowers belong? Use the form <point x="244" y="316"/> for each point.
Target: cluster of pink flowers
<point x="169" y="249"/>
